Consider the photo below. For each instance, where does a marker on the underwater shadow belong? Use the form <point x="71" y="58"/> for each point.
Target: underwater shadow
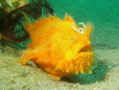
<point x="99" y="71"/>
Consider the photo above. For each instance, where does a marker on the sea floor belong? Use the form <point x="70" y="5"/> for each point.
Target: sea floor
<point x="14" y="76"/>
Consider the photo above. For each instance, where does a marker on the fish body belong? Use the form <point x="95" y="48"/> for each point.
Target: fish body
<point x="59" y="46"/>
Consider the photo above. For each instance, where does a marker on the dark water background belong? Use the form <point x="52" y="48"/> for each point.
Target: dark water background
<point x="104" y="14"/>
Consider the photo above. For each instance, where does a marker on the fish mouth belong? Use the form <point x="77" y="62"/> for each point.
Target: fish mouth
<point x="86" y="48"/>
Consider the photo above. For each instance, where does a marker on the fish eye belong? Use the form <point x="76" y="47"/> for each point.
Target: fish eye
<point x="81" y="28"/>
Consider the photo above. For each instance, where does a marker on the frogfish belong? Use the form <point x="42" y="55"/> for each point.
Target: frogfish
<point x="59" y="46"/>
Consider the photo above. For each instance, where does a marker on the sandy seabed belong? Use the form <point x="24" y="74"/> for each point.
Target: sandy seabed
<point x="14" y="76"/>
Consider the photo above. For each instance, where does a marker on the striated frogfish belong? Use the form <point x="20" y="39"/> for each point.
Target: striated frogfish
<point x="59" y="46"/>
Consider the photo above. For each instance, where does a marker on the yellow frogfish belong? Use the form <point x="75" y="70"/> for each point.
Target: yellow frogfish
<point x="59" y="46"/>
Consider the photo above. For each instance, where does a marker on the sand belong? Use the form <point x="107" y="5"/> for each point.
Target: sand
<point x="14" y="76"/>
